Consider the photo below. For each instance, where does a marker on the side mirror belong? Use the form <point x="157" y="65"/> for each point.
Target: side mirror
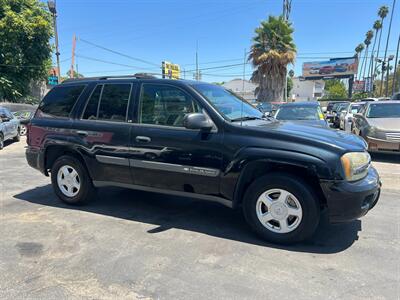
<point x="197" y="121"/>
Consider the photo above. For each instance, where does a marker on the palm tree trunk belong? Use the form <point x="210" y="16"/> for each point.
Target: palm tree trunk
<point x="380" y="37"/>
<point x="387" y="45"/>
<point x="365" y="59"/>
<point x="371" y="61"/>
<point x="362" y="64"/>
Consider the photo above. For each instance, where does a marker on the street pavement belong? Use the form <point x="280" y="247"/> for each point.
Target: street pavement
<point x="137" y="245"/>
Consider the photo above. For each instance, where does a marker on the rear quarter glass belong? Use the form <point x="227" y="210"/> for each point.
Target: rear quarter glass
<point x="59" y="102"/>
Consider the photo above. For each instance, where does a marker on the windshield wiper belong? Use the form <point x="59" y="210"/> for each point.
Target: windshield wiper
<point x="246" y="118"/>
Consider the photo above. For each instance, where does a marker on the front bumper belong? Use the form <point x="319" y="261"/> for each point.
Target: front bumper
<point x="351" y="200"/>
<point x="375" y="144"/>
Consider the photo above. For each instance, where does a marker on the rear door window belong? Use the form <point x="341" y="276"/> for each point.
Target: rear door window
<point x="60" y="101"/>
<point x="108" y="102"/>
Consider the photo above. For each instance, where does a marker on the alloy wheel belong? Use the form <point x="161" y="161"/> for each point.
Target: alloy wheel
<point x="68" y="181"/>
<point x="279" y="211"/>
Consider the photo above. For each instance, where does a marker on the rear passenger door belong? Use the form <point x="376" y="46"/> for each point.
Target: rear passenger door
<point x="103" y="132"/>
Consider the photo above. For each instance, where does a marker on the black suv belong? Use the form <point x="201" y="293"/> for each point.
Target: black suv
<point x="199" y="140"/>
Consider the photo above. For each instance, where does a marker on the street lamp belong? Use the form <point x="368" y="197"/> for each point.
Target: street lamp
<point x="52" y="8"/>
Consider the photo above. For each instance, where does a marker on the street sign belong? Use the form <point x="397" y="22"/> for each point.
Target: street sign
<point x="52" y="80"/>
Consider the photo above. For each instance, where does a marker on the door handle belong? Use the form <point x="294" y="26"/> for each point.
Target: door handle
<point x="143" y="139"/>
<point x="82" y="133"/>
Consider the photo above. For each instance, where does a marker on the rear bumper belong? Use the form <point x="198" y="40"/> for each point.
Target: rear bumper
<point x="35" y="158"/>
<point x="351" y="200"/>
<point x="382" y="145"/>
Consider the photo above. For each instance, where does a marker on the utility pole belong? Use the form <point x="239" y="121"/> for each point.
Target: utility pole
<point x="396" y="63"/>
<point x="197" y="77"/>
<point x="71" y="75"/>
<point x="287" y="7"/>
<point x="387" y="44"/>
<point x="53" y="10"/>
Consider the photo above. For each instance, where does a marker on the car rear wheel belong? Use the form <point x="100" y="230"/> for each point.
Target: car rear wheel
<point x="281" y="208"/>
<point x="1" y="141"/>
<point x="71" y="181"/>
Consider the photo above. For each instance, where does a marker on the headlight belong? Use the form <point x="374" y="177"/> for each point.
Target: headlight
<point x="355" y="165"/>
<point x="374" y="132"/>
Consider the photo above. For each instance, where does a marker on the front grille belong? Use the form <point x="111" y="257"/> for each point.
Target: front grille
<point x="393" y="136"/>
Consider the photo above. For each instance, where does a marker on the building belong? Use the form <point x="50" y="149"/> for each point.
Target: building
<point x="236" y="86"/>
<point x="307" y="90"/>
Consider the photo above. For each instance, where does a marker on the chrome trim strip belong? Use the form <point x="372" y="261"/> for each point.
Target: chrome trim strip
<point x="120" y="161"/>
<point x="154" y="165"/>
<point x="211" y="198"/>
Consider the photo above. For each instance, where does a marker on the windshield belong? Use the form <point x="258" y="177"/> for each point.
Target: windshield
<point x="228" y="104"/>
<point x="299" y="113"/>
<point x="355" y="108"/>
<point x="384" y="110"/>
<point x="338" y="107"/>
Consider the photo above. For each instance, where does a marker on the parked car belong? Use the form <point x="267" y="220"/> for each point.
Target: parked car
<point x="326" y="70"/>
<point x="333" y="112"/>
<point x="212" y="146"/>
<point x="9" y="127"/>
<point x="24" y="116"/>
<point x="346" y="116"/>
<point x="396" y="96"/>
<point x="307" y="113"/>
<point x="379" y="124"/>
<point x="340" y="68"/>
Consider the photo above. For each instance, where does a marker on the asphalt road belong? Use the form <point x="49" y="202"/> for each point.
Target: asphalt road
<point x="137" y="245"/>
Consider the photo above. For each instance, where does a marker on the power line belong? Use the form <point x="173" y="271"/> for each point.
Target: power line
<point x="118" y="53"/>
<point x="112" y="63"/>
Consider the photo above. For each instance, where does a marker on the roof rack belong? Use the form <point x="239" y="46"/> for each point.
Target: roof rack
<point x="135" y="76"/>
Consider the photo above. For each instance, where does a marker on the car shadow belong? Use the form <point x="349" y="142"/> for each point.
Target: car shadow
<point x="393" y="158"/>
<point x="209" y="218"/>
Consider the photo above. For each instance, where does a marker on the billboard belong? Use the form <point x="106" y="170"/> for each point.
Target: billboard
<point x="170" y="70"/>
<point x="335" y="67"/>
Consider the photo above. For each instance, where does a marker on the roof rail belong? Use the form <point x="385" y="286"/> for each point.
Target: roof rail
<point x="135" y="76"/>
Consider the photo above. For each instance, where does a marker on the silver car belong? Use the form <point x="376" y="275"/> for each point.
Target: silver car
<point x="379" y="124"/>
<point x="9" y="126"/>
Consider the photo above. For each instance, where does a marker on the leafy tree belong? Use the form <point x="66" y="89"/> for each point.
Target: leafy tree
<point x="76" y="74"/>
<point x="335" y="89"/>
<point x="25" y="50"/>
<point x="272" y="50"/>
<point x="382" y="13"/>
<point x="377" y="27"/>
<point x="368" y="38"/>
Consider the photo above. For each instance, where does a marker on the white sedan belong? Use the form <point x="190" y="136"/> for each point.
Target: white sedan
<point x="346" y="116"/>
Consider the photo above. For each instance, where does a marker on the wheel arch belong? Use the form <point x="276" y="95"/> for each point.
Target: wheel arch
<point x="305" y="169"/>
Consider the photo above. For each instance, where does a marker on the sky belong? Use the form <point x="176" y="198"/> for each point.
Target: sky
<point x="143" y="33"/>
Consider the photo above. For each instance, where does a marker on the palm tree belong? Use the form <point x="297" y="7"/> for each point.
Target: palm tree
<point x="382" y="13"/>
<point x="386" y="48"/>
<point x="272" y="50"/>
<point x="377" y="26"/>
<point x="368" y="38"/>
<point x="359" y="49"/>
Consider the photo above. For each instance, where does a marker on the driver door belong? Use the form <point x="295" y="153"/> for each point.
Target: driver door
<point x="166" y="154"/>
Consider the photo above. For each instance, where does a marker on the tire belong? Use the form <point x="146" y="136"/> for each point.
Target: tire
<point x="301" y="198"/>
<point x="1" y="141"/>
<point x="77" y="189"/>
<point x="17" y="138"/>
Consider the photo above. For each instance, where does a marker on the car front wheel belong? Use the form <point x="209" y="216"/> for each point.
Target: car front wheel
<point x="281" y="208"/>
<point x="71" y="181"/>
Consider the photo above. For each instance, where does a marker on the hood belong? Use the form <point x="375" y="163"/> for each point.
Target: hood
<point x="385" y="124"/>
<point x="325" y="135"/>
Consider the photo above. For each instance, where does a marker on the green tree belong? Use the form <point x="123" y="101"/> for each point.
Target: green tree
<point x="382" y="13"/>
<point x="76" y="74"/>
<point x="289" y="86"/>
<point x="272" y="50"/>
<point x="25" y="50"/>
<point x="368" y="38"/>
<point x="335" y="89"/>
<point x="377" y="27"/>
